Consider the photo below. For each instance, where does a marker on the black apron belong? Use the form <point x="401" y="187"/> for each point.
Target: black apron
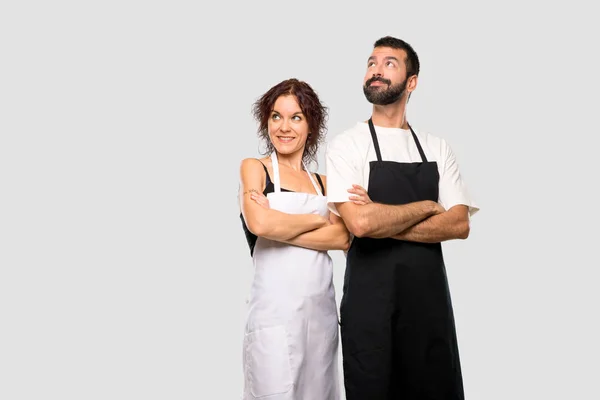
<point x="396" y="317"/>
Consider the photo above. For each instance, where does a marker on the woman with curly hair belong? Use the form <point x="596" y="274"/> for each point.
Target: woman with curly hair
<point x="291" y="336"/>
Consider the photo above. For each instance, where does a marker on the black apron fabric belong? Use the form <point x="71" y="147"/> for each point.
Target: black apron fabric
<point x="397" y="324"/>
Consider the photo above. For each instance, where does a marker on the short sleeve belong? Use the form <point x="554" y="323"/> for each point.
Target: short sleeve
<point x="453" y="190"/>
<point x="343" y="171"/>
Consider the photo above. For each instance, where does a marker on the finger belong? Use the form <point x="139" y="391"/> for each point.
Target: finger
<point x="358" y="191"/>
<point x="259" y="200"/>
<point x="258" y="197"/>
<point x="359" y="201"/>
<point x="359" y="187"/>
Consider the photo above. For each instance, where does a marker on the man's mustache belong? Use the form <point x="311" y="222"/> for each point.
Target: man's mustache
<point x="378" y="79"/>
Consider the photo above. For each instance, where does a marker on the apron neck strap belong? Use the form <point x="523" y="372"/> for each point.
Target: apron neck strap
<point x="421" y="152"/>
<point x="277" y="182"/>
<point x="374" y="138"/>
<point x="275" y="172"/>
<point x="317" y="188"/>
<point x="376" y="142"/>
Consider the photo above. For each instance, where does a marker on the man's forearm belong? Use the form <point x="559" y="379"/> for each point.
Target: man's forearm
<point x="438" y="228"/>
<point x="383" y="221"/>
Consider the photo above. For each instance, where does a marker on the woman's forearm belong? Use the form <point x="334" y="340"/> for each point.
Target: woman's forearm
<point x="279" y="226"/>
<point x="332" y="237"/>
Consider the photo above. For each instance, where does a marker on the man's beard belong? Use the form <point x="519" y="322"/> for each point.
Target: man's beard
<point x="382" y="97"/>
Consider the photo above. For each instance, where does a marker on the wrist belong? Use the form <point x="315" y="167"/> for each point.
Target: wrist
<point x="320" y="220"/>
<point x="433" y="208"/>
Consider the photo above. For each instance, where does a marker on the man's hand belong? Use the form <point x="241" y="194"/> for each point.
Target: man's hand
<point x="360" y="195"/>
<point x="439" y="209"/>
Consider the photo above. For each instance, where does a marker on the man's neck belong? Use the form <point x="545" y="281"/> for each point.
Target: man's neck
<point x="390" y="116"/>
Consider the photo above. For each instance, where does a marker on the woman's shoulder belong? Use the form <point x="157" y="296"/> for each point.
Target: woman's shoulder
<point x="322" y="176"/>
<point x="250" y="163"/>
<point x="322" y="180"/>
<point x="253" y="169"/>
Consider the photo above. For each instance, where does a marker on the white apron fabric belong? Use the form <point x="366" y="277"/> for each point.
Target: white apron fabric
<point x="291" y="339"/>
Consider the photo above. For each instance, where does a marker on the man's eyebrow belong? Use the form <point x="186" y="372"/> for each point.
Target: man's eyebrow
<point x="372" y="58"/>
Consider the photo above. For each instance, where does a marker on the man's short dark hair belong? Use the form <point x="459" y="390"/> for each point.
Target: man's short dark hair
<point x="412" y="60"/>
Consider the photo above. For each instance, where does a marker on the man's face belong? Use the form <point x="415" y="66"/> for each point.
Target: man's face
<point x="385" y="80"/>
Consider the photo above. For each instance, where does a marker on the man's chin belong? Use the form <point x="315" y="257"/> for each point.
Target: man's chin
<point x="376" y="101"/>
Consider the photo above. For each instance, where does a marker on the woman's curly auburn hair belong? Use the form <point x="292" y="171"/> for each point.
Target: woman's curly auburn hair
<point x="313" y="109"/>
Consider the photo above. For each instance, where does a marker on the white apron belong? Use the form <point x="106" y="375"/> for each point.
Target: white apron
<point x="291" y="339"/>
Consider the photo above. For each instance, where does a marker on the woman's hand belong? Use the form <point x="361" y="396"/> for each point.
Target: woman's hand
<point x="360" y="195"/>
<point x="260" y="199"/>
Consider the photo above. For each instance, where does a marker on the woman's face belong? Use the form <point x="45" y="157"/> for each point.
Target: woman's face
<point x="288" y="128"/>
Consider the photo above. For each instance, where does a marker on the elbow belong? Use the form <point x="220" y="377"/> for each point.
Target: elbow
<point x="344" y="244"/>
<point x="359" y="227"/>
<point x="464" y="230"/>
<point x="257" y="228"/>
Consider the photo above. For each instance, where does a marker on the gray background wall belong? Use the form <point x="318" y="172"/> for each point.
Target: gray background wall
<point x="123" y="266"/>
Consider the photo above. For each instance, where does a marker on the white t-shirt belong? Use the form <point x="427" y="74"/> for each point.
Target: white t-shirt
<point x="349" y="153"/>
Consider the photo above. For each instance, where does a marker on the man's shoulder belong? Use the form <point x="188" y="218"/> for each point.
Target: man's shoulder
<point x="433" y="141"/>
<point x="353" y="135"/>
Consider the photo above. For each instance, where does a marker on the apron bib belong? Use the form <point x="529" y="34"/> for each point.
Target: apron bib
<point x="291" y="339"/>
<point x="397" y="324"/>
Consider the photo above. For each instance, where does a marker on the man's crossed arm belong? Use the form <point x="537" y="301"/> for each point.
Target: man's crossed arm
<point x="423" y="221"/>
